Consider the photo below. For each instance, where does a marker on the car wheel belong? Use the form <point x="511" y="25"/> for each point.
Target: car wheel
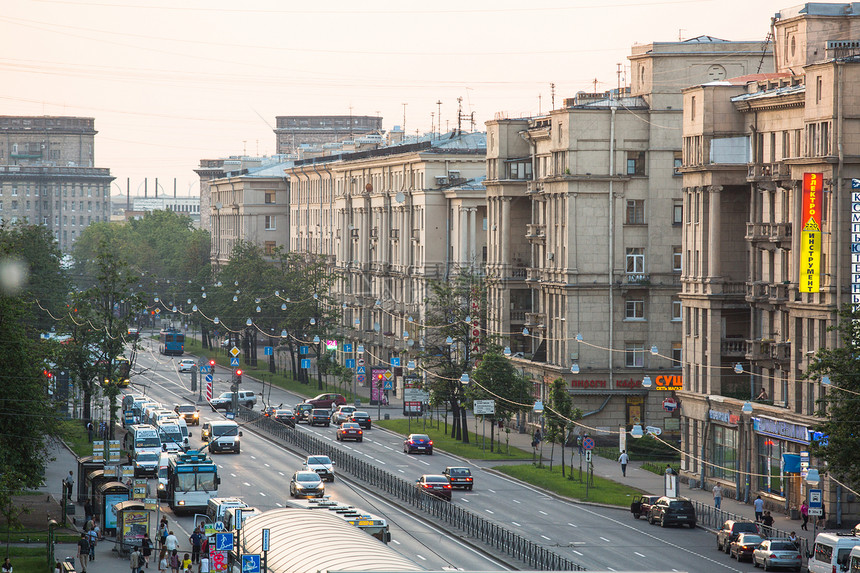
<point x="663" y="521"/>
<point x="650" y="519"/>
<point x="361" y="439"/>
<point x="728" y="549"/>
<point x="765" y="566"/>
<point x="693" y="525"/>
<point x="430" y="452"/>
<point x="331" y="479"/>
<point x="327" y="425"/>
<point x="719" y="547"/>
<point x="237" y="450"/>
<point x="469" y="488"/>
<point x="637" y="515"/>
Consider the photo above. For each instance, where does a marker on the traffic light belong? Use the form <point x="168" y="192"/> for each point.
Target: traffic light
<point x="212" y="363"/>
<point x="237" y="376"/>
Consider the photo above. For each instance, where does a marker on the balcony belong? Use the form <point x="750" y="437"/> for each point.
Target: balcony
<point x="758" y="350"/>
<point x="768" y="172"/>
<point x="757" y="292"/>
<point x="777" y="293"/>
<point x="772" y="235"/>
<point x="780" y="352"/>
<point x="533" y="188"/>
<point x="637" y="279"/>
<point x="757" y="232"/>
<point x="733" y="347"/>
<point x="518" y="315"/>
<point x="533" y="275"/>
<point x="536" y="233"/>
<point x="768" y="352"/>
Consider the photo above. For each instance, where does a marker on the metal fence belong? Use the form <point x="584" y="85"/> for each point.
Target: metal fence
<point x="489" y="532"/>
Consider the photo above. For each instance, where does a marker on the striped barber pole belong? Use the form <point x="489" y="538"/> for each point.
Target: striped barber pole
<point x="209" y="391"/>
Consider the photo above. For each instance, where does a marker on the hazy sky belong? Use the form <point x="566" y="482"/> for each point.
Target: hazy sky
<point x="171" y="82"/>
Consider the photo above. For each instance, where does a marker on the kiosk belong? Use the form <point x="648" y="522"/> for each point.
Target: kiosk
<point x="85" y="466"/>
<point x="107" y="496"/>
<point x="133" y="520"/>
<point x="94" y="479"/>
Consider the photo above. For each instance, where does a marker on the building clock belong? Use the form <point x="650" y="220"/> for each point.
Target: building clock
<point x="716" y="73"/>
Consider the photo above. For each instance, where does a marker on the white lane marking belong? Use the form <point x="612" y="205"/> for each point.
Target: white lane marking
<point x="369" y="456"/>
<point x="639" y="554"/>
<point x="423" y="462"/>
<point x="233" y="475"/>
<point x="570" y="524"/>
<point x="491" y="490"/>
<point x="395" y="541"/>
<point x="281" y="473"/>
<point x="515" y="501"/>
<point x="267" y="465"/>
<point x="388" y="448"/>
<point x="542" y="512"/>
<point x="246" y="484"/>
<point x="606" y="540"/>
<point x="401" y="471"/>
<point x="253" y="457"/>
<point x="263" y="494"/>
<point x="545" y="537"/>
<point x="279" y="505"/>
<point x="610" y="569"/>
<point x="465" y="500"/>
<point x="490" y="511"/>
<point x="421" y="557"/>
<point x="577" y="552"/>
<point x="517" y="524"/>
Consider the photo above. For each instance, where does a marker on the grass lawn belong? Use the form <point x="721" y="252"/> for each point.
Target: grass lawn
<point x="75" y="434"/>
<point x="603" y="490"/>
<point x="436" y="431"/>
<point x="261" y="372"/>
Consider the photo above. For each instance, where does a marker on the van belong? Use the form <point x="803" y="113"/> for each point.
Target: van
<point x="171" y="437"/>
<point x="222" y="436"/>
<point x="163" y="461"/>
<point x="149" y="410"/>
<point x="142" y="438"/>
<point x="217" y="506"/>
<point x="128" y="401"/>
<point x="183" y="428"/>
<point x="231" y="515"/>
<point x="831" y="552"/>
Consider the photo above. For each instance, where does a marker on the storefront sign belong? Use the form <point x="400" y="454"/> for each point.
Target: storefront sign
<point x="623" y="384"/>
<point x="855" y="243"/>
<point x="629" y="383"/>
<point x="810" y="237"/>
<point x="588" y="383"/>
<point x="724" y="417"/>
<point x="669" y="383"/>
<point x="781" y="429"/>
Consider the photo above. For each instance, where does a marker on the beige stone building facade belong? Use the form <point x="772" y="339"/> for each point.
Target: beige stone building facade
<point x="48" y="177"/>
<point x="584" y="233"/>
<point x="753" y="317"/>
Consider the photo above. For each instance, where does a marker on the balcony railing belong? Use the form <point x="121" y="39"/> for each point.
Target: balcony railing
<point x="733" y="347"/>
<point x="518" y="316"/>
<point x="536" y="233"/>
<point x="757" y="291"/>
<point x="777" y="292"/>
<point x="536" y="319"/>
<point x="768" y="350"/>
<point x="533" y="187"/>
<point x="533" y="274"/>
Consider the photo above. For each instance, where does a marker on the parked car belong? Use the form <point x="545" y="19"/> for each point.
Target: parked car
<point x="744" y="545"/>
<point x="642" y="505"/>
<point x="319" y="417"/>
<point x="418" y="443"/>
<point x="306" y="484"/>
<point x="187" y="364"/>
<point x="437" y="485"/>
<point x="361" y="418"/>
<point x="189" y="413"/>
<point x="285" y="417"/>
<point x="133" y="333"/>
<point x="342" y="414"/>
<point x="349" y="431"/>
<point x="303" y="412"/>
<point x="777" y="553"/>
<point x="327" y="401"/>
<point x="322" y="465"/>
<point x="459" y="477"/>
<point x="731" y="529"/>
<point x="671" y="510"/>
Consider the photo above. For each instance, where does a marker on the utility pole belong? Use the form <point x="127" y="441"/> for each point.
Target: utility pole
<point x="439" y="115"/>
<point x="552" y="94"/>
<point x="404" y="118"/>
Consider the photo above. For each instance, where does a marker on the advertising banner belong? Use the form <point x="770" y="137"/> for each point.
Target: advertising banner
<point x="134" y="525"/>
<point x="810" y="236"/>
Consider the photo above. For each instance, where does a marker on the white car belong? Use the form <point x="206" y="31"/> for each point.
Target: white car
<point x="322" y="465"/>
<point x="187" y="365"/>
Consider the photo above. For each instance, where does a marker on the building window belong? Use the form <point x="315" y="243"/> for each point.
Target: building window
<point x="677" y="163"/>
<point x="725" y="454"/>
<point x="677" y="259"/>
<point x="677" y="213"/>
<point x="634" y="308"/>
<point x="269" y="247"/>
<point x="270" y="198"/>
<point x="677" y="351"/>
<point x="14" y="205"/>
<point x="270" y="222"/>
<point x="635" y="260"/>
<point x="635" y="163"/>
<point x="635" y="214"/>
<point x="634" y="355"/>
<point x="677" y="308"/>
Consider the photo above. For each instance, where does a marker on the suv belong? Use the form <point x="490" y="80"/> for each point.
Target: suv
<point x="327" y="401"/>
<point x="225" y="401"/>
<point x="319" y="417"/>
<point x="189" y="413"/>
<point x="642" y="505"/>
<point x="303" y="412"/>
<point x="322" y="465"/>
<point x="669" y="510"/>
<point x="731" y="529"/>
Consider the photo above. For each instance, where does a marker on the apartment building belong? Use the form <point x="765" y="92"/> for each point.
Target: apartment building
<point x="48" y="177"/>
<point x="390" y="220"/>
<point x="584" y="231"/>
<point x="763" y="273"/>
<point x="292" y="131"/>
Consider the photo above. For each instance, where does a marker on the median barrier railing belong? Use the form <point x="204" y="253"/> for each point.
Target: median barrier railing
<point x="489" y="532"/>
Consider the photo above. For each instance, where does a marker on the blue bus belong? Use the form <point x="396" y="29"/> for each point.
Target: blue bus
<point x="192" y="480"/>
<point x="171" y="342"/>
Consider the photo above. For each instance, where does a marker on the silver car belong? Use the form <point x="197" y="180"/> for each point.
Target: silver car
<point x="777" y="553"/>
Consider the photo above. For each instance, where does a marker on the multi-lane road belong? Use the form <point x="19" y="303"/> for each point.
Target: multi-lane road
<point x="596" y="537"/>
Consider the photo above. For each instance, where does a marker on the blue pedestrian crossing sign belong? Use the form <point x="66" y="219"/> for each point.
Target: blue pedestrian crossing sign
<point x="234" y="361"/>
<point x="350" y="362"/>
<point x="347" y="347"/>
<point x="223" y="542"/>
<point x="250" y="563"/>
<point x="395" y="361"/>
<point x="361" y="370"/>
<point x="387" y="385"/>
<point x="306" y="363"/>
<point x="268" y="351"/>
<point x="204" y="369"/>
<point x="303" y="349"/>
<point x="209" y="378"/>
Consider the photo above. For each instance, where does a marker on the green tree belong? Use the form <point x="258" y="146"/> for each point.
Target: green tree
<point x="495" y="378"/>
<point x="839" y="405"/>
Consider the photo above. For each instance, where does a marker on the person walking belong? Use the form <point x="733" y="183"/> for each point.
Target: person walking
<point x="83" y="551"/>
<point x="171" y="542"/>
<point x="69" y="485"/>
<point x="93" y="538"/>
<point x="196" y="540"/>
<point x="718" y="495"/>
<point x="146" y="549"/>
<point x="7" y="566"/>
<point x="186" y="564"/>
<point x="624" y="459"/>
<point x="162" y="565"/>
<point x="135" y="560"/>
<point x="758" y="505"/>
<point x="804" y="514"/>
<point x="175" y="562"/>
<point x="767" y="523"/>
<point x="203" y="566"/>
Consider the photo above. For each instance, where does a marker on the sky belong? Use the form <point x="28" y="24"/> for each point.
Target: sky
<point x="170" y="82"/>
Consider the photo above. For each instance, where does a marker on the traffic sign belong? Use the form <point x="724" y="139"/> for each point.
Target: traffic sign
<point x="395" y="361"/>
<point x="360" y="379"/>
<point x="268" y="351"/>
<point x="223" y="541"/>
<point x="204" y="369"/>
<point x="347" y="347"/>
<point x="588" y="456"/>
<point x="361" y="361"/>
<point x="814" y="498"/>
<point x="388" y="385"/>
<point x="588" y="444"/>
<point x="538" y="407"/>
<point x="306" y="362"/>
<point x="303" y="350"/>
<point x="266" y="540"/>
<point x="484" y="407"/>
<point x="388" y="375"/>
<point x="234" y="351"/>
<point x="234" y="361"/>
<point x="669" y="404"/>
<point x="209" y="378"/>
<point x="361" y="369"/>
<point x="250" y="563"/>
<point x="360" y="349"/>
<point x="349" y="362"/>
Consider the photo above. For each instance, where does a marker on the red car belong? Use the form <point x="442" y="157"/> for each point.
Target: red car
<point x="327" y="400"/>
<point x="349" y="431"/>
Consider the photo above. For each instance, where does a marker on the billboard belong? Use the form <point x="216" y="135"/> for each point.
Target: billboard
<point x="810" y="236"/>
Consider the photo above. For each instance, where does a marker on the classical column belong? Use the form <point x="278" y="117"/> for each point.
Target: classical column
<point x="714" y="237"/>
<point x="464" y="229"/>
<point x="503" y="223"/>
<point x="473" y="245"/>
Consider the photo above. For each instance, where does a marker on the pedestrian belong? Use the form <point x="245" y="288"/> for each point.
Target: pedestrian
<point x="758" y="505"/>
<point x="146" y="548"/>
<point x="718" y="495"/>
<point x="203" y="566"/>
<point x="96" y="529"/>
<point x="83" y="551"/>
<point x="7" y="566"/>
<point x="804" y="514"/>
<point x="57" y="567"/>
<point x="822" y="519"/>
<point x="767" y="522"/>
<point x="90" y="432"/>
<point x="93" y="538"/>
<point x="162" y="565"/>
<point x="793" y="538"/>
<point x="186" y="563"/>
<point x="670" y="471"/>
<point x="134" y="560"/>
<point x="171" y="542"/>
<point x="579" y="444"/>
<point x="88" y="511"/>
<point x="174" y="562"/>
<point x="624" y="459"/>
<point x="68" y="485"/>
<point x="196" y="540"/>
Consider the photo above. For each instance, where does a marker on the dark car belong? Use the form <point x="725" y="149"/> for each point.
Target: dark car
<point x="671" y="510"/>
<point x="319" y="417"/>
<point x="269" y="411"/>
<point x="303" y="411"/>
<point x="435" y="485"/>
<point x="349" y="431"/>
<point x="189" y="412"/>
<point x="418" y="443"/>
<point x="642" y="505"/>
<point x="744" y="545"/>
<point x="731" y="529"/>
<point x="361" y="418"/>
<point x="285" y="417"/>
<point x="459" y="477"/>
<point x="327" y="401"/>
<point x="306" y="484"/>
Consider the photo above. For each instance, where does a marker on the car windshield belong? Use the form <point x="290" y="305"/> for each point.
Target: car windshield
<point x="436" y="479"/>
<point x="226" y="395"/>
<point x="782" y="546"/>
<point x="188" y="408"/>
<point x="680" y="505"/>
<point x="349" y="426"/>
<point x="360" y="415"/>
<point x="148" y="442"/>
<point x="347" y="409"/>
<point x="322" y="460"/>
<point x="307" y="477"/>
<point x="749" y="539"/>
<point x="320" y="413"/>
<point x="283" y="413"/>
<point x="225" y="430"/>
<point x="417" y="437"/>
<point x="147" y="457"/>
<point x="741" y="527"/>
<point x="459" y="472"/>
